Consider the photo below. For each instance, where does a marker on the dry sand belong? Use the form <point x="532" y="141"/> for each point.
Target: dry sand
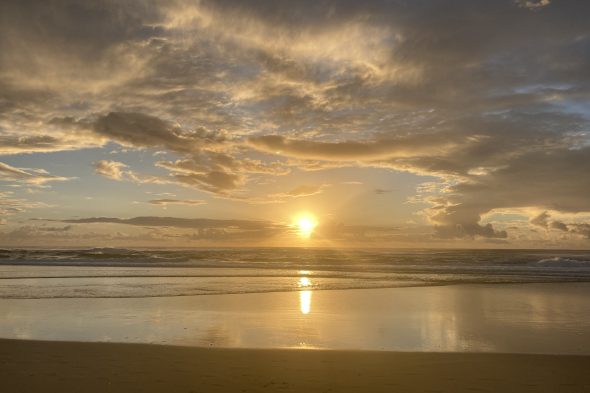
<point x="38" y="366"/>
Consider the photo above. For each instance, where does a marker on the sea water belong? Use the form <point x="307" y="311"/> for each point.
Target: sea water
<point x="409" y="300"/>
<point x="108" y="272"/>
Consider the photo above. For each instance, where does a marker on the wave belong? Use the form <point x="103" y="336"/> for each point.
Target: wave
<point x="120" y="272"/>
<point x="112" y="283"/>
<point x="563" y="262"/>
<point x="291" y="255"/>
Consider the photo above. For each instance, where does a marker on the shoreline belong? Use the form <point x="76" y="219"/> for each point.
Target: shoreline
<point x="297" y="290"/>
<point x="350" y="351"/>
<point x="33" y="366"/>
<point x="532" y="318"/>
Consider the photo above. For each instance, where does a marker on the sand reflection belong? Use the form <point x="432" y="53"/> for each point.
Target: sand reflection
<point x="531" y="318"/>
<point x="305" y="301"/>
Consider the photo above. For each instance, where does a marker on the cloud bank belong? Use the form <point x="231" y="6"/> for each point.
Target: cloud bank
<point x="238" y="91"/>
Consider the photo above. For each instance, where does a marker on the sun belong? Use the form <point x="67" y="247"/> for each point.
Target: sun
<point x="305" y="224"/>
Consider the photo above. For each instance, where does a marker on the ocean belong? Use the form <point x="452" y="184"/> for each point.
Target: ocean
<point x="137" y="273"/>
<point x="394" y="300"/>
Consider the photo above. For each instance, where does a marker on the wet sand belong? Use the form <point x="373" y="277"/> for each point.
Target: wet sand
<point x="40" y="366"/>
<point x="518" y="318"/>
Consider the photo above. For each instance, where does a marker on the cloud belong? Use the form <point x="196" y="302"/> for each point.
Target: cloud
<point x="112" y="169"/>
<point x="236" y="91"/>
<point x="550" y="179"/>
<point x="166" y="202"/>
<point x="118" y="171"/>
<point x="9" y="204"/>
<point x="334" y="231"/>
<point x="31" y="231"/>
<point x="575" y="228"/>
<point x="27" y="175"/>
<point x="541" y="220"/>
<point x="195" y="223"/>
<point x="212" y="172"/>
<point x="224" y="235"/>
<point x="410" y="146"/>
<point x="163" y="230"/>
<point x="381" y="191"/>
<point x="217" y="172"/>
<point x="305" y="190"/>
<point x="461" y="230"/>
<point x="54" y="229"/>
<point x="70" y="45"/>
<point x="535" y="4"/>
<point x="141" y="130"/>
<point x="558" y="225"/>
<point x="486" y="171"/>
<point x="18" y="144"/>
<point x="200" y="172"/>
<point x="581" y="229"/>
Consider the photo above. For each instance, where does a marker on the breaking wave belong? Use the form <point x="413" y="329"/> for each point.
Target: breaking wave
<point x="563" y="262"/>
<point x="120" y="272"/>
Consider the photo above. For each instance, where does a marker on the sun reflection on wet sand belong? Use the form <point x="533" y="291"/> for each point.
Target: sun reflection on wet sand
<point x="304" y="296"/>
<point x="531" y="318"/>
<point x="305" y="301"/>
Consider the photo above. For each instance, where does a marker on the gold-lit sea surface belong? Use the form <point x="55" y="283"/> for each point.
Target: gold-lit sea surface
<point x="524" y="318"/>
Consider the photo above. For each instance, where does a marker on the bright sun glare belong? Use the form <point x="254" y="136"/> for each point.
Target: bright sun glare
<point x="305" y="223"/>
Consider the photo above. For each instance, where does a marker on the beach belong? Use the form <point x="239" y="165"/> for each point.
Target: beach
<point x="436" y="328"/>
<point x="39" y="366"/>
<point x="311" y="196"/>
<point x="503" y="318"/>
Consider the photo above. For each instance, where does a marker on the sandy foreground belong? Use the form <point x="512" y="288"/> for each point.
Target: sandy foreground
<point x="40" y="366"/>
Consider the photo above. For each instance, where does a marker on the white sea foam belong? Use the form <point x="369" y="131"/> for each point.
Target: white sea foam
<point x="563" y="262"/>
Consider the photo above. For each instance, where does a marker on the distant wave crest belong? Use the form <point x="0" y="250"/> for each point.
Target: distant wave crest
<point x="120" y="272"/>
<point x="563" y="262"/>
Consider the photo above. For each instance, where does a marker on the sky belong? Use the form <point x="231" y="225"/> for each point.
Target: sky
<point x="186" y="123"/>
